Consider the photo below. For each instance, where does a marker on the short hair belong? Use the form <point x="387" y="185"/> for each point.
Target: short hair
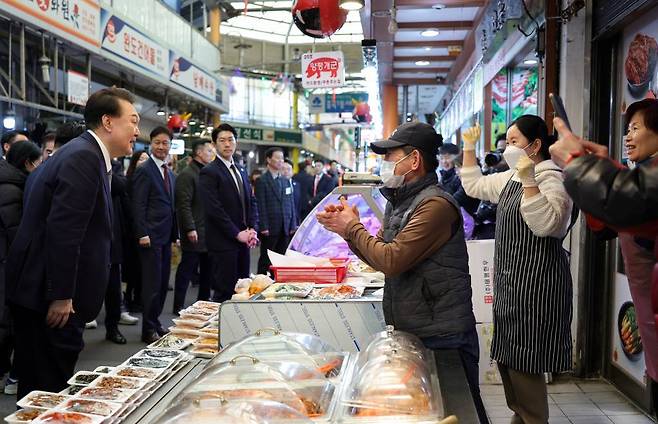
<point x="320" y="161"/>
<point x="198" y="145"/>
<point x="430" y="162"/>
<point x="9" y="136"/>
<point x="649" y="110"/>
<point x="449" y="149"/>
<point x="105" y="102"/>
<point x="48" y="137"/>
<point x="270" y="152"/>
<point x="160" y="130"/>
<point x="223" y="127"/>
<point x="68" y="131"/>
<point x="21" y="152"/>
<point x="533" y="127"/>
<point x="133" y="162"/>
<point x="289" y="162"/>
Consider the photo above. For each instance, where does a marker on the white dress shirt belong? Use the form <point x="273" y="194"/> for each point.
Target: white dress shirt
<point x="106" y="153"/>
<point x="229" y="164"/>
<point x="159" y="164"/>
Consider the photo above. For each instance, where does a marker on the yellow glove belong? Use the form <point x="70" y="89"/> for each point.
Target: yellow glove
<point x="525" y="169"/>
<point x="470" y="137"/>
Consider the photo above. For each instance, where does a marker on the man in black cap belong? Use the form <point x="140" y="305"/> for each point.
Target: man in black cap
<point x="420" y="249"/>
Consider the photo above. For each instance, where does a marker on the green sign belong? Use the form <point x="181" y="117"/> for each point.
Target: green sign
<point x="249" y="133"/>
<point x="268" y="135"/>
<point x="287" y="137"/>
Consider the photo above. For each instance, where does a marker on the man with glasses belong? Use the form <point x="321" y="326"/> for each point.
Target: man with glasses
<point x="155" y="227"/>
<point x="231" y="214"/>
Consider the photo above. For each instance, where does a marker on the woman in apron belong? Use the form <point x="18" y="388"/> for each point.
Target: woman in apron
<point x="532" y="307"/>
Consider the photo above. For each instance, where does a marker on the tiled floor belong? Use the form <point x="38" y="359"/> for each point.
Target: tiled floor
<point x="576" y="402"/>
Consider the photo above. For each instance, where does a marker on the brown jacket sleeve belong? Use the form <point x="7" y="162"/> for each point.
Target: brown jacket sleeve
<point x="429" y="228"/>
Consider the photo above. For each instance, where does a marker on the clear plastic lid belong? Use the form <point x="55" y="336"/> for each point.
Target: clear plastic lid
<point x="245" y="369"/>
<point x="239" y="411"/>
<point x="269" y="342"/>
<point x="391" y="385"/>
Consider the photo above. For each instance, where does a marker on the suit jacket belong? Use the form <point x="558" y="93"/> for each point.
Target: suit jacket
<point x="121" y="224"/>
<point x="62" y="248"/>
<point x="276" y="206"/>
<point x="325" y="185"/>
<point x="189" y="208"/>
<point x="297" y="201"/>
<point x="305" y="190"/>
<point x="153" y="208"/>
<point x="225" y="216"/>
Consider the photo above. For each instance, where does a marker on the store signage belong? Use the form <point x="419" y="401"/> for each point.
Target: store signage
<point x="343" y="102"/>
<point x="323" y="70"/>
<point x="77" y="88"/>
<point x="77" y="21"/>
<point x="130" y="44"/>
<point x="316" y="103"/>
<point x="268" y="135"/>
<point x="185" y="74"/>
<point x="177" y="147"/>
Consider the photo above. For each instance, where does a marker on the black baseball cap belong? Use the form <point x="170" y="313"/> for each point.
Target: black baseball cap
<point x="416" y="134"/>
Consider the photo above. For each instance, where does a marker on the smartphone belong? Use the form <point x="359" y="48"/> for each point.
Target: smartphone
<point x="558" y="107"/>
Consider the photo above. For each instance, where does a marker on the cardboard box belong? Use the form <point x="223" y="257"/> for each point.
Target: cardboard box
<point x="480" y="264"/>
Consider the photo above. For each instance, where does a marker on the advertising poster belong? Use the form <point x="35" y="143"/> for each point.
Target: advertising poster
<point x="323" y="70"/>
<point x="498" y="106"/>
<point x="640" y="50"/>
<point x="627" y="353"/>
<point x="77" y="88"/>
<point x="524" y="92"/>
<point x="129" y="44"/>
<point x="77" y="21"/>
<point x="185" y="74"/>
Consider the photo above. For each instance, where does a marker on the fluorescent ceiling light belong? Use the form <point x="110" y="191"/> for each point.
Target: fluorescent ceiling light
<point x="438" y="6"/>
<point x="351" y="4"/>
<point x="430" y="32"/>
<point x="530" y="62"/>
<point x="422" y="63"/>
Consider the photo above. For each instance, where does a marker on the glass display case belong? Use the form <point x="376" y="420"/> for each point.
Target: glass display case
<point x="312" y="239"/>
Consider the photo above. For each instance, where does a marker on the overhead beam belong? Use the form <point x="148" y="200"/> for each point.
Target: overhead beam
<point x="406" y="26"/>
<point x="401" y="4"/>
<point x="423" y="70"/>
<point x="442" y="43"/>
<point x="428" y="58"/>
<point x="415" y="81"/>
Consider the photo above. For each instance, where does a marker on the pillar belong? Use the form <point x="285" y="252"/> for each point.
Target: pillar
<point x="390" y="109"/>
<point x="215" y="22"/>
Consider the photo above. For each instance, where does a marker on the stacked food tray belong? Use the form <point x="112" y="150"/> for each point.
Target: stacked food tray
<point x="199" y="325"/>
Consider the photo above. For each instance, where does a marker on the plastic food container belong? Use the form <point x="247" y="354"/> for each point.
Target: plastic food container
<point x="109" y="394"/>
<point x="332" y="275"/>
<point x="270" y="342"/>
<point x="83" y="378"/>
<point x="136" y="372"/>
<point x="24" y="415"/>
<point x="58" y="417"/>
<point x="39" y="399"/>
<point x="114" y="382"/>
<point x="91" y="407"/>
<point x="238" y="411"/>
<point x="170" y="341"/>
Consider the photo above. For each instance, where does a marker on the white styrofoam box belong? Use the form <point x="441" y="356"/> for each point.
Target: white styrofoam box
<point x="480" y="264"/>
<point x="488" y="370"/>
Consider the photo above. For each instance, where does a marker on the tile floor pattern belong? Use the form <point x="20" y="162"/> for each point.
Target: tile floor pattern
<point x="572" y="402"/>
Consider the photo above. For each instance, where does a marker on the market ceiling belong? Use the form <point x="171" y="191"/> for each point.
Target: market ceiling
<point x="424" y="45"/>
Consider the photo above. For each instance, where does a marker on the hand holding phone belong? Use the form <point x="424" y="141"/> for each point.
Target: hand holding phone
<point x="558" y="107"/>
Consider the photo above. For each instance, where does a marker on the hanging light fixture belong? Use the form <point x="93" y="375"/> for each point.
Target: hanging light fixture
<point x="160" y="111"/>
<point x="393" y="23"/>
<point x="351" y="4"/>
<point x="9" y="121"/>
<point x="44" y="61"/>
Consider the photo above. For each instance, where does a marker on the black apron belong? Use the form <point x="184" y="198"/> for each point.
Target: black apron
<point x="532" y="307"/>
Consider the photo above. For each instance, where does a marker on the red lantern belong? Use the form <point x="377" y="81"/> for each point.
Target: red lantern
<point x="318" y="18"/>
<point x="176" y="123"/>
<point x="362" y="113"/>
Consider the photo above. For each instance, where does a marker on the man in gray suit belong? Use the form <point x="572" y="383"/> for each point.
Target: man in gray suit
<point x="192" y="225"/>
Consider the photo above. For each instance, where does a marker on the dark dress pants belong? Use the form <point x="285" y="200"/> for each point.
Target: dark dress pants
<point x="156" y="267"/>
<point x="277" y="243"/>
<point x="131" y="271"/>
<point x="190" y="262"/>
<point x="113" y="299"/>
<point x="45" y="357"/>
<point x="228" y="266"/>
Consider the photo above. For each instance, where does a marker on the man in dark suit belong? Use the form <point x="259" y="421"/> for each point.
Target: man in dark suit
<point x="276" y="209"/>
<point x="322" y="184"/>
<point x="287" y="171"/>
<point x="192" y="225"/>
<point x="304" y="180"/>
<point x="58" y="266"/>
<point x="231" y="214"/>
<point x="155" y="227"/>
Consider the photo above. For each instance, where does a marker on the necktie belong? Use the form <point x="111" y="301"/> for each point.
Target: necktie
<point x="238" y="182"/>
<point x="315" y="185"/>
<point x="167" y="184"/>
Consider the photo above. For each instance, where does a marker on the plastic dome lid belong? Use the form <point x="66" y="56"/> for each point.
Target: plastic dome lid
<point x="239" y="411"/>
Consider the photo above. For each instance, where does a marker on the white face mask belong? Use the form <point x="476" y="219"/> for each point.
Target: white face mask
<point x="387" y="173"/>
<point x="512" y="154"/>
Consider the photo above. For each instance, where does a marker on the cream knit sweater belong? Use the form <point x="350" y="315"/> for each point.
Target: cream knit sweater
<point x="547" y="214"/>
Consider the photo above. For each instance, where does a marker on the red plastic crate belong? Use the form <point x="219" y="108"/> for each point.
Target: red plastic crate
<point x="320" y="275"/>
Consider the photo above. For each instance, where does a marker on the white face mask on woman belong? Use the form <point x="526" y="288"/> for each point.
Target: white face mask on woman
<point x="512" y="154"/>
<point x="387" y="173"/>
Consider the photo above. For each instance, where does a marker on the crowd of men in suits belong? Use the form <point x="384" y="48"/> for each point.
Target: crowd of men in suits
<point x="86" y="227"/>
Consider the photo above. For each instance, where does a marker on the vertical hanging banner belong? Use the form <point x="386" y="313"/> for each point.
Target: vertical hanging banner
<point x="77" y="88"/>
<point x="77" y="21"/>
<point x="130" y="44"/>
<point x="185" y="74"/>
<point x="323" y="70"/>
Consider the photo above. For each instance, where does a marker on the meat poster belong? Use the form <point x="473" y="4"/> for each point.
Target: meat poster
<point x="640" y="54"/>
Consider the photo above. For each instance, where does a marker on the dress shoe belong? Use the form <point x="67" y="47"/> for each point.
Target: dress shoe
<point x="161" y="331"/>
<point x="115" y="336"/>
<point x="150" y="338"/>
<point x="91" y="325"/>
